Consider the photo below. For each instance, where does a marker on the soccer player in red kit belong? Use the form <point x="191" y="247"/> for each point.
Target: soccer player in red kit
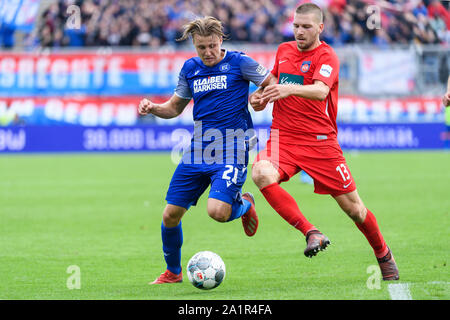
<point x="304" y="137"/>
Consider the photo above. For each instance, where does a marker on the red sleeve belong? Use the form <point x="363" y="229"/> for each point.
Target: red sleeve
<point x="275" y="66"/>
<point x="327" y="69"/>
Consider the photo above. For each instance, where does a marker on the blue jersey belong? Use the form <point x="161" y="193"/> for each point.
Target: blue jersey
<point x="220" y="94"/>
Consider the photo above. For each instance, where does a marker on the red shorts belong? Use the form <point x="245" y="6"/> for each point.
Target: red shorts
<point x="325" y="164"/>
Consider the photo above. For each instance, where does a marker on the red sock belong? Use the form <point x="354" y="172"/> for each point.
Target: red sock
<point x="373" y="234"/>
<point x="286" y="206"/>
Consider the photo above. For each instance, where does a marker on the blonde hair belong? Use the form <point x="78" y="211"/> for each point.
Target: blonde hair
<point x="203" y="27"/>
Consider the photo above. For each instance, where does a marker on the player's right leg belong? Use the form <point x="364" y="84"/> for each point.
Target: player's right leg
<point x="186" y="186"/>
<point x="172" y="240"/>
<point x="268" y="179"/>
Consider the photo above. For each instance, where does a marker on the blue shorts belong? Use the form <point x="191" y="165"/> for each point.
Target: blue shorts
<point x="190" y="181"/>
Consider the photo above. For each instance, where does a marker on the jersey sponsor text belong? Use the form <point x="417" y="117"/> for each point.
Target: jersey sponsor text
<point x="210" y="83"/>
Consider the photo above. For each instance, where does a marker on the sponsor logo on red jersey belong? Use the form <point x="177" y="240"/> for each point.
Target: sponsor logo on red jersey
<point x="286" y="78"/>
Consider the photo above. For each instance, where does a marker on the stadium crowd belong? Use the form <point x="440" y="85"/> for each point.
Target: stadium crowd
<point x="156" y="23"/>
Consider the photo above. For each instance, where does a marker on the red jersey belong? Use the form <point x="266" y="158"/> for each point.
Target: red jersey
<point x="299" y="120"/>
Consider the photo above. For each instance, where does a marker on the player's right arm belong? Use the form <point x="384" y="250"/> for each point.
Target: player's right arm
<point x="169" y="109"/>
<point x="175" y="105"/>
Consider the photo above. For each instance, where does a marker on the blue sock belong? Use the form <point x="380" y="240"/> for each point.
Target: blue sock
<point x="172" y="239"/>
<point x="239" y="209"/>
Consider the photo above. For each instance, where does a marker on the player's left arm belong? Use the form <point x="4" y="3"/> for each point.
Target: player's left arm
<point x="255" y="100"/>
<point x="259" y="75"/>
<point x="316" y="91"/>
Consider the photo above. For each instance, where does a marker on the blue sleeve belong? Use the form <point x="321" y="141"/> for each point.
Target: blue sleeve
<point x="182" y="90"/>
<point x="253" y="71"/>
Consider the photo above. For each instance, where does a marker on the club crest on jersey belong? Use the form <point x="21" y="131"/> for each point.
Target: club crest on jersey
<point x="224" y="67"/>
<point x="305" y="66"/>
<point x="210" y="83"/>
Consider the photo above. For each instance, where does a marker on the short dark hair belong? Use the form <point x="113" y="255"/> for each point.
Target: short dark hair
<point x="306" y="8"/>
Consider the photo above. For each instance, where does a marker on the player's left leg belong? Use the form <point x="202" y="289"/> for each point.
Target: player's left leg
<point x="366" y="222"/>
<point x="222" y="211"/>
<point x="218" y="210"/>
<point x="240" y="208"/>
<point x="226" y="203"/>
<point x="332" y="176"/>
<point x="250" y="219"/>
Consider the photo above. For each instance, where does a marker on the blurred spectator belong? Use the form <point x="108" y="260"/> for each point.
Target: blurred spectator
<point x="155" y="23"/>
<point x="421" y="8"/>
<point x="6" y="35"/>
<point x="381" y="38"/>
<point x="437" y="9"/>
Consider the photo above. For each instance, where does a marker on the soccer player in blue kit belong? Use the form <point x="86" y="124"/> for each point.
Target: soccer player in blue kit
<point x="218" y="81"/>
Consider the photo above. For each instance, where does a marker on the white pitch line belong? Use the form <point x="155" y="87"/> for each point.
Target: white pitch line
<point x="399" y="291"/>
<point x="439" y="282"/>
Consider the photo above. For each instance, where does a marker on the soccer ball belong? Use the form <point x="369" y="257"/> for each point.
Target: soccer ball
<point x="206" y="270"/>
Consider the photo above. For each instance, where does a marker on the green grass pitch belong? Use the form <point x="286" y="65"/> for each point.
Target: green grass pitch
<point x="102" y="213"/>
